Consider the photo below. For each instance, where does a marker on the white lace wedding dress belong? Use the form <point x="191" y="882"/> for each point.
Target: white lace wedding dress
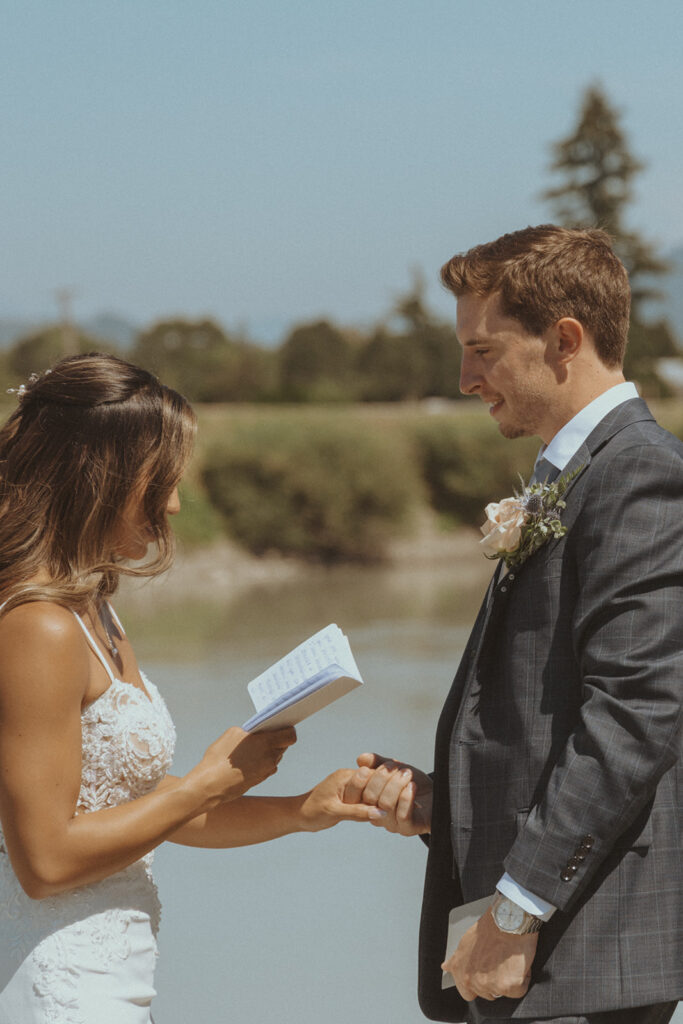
<point x="88" y="956"/>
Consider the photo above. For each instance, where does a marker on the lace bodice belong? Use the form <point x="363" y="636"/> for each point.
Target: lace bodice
<point x="128" y="740"/>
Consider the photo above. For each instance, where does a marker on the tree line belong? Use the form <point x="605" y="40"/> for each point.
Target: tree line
<point x="412" y="356"/>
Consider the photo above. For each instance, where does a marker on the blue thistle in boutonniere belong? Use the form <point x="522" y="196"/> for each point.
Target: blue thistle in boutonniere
<point x="517" y="527"/>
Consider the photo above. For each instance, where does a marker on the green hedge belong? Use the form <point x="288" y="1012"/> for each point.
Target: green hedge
<point x="669" y="414"/>
<point x="322" y="488"/>
<point x="466" y="463"/>
<point x="198" y="523"/>
<point x="339" y="485"/>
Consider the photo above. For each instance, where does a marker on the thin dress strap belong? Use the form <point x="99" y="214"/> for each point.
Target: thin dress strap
<point x="115" y="617"/>
<point x="94" y="646"/>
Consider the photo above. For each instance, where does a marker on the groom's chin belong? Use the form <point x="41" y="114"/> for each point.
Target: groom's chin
<point x="514" y="430"/>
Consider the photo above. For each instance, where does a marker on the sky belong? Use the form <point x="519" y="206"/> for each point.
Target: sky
<point x="270" y="162"/>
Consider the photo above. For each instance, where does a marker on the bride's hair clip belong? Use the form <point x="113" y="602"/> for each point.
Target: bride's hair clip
<point x="22" y="389"/>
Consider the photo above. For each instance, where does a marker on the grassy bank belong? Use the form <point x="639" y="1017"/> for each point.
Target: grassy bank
<point x="331" y="484"/>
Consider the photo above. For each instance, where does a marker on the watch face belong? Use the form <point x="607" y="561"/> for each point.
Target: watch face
<point x="509" y="916"/>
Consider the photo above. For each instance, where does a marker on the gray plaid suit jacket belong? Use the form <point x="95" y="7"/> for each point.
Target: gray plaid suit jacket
<point x="558" y="750"/>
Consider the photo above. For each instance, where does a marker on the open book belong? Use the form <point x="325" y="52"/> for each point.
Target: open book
<point x="317" y="672"/>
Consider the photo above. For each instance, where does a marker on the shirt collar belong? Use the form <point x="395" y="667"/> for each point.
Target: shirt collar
<point x="572" y="435"/>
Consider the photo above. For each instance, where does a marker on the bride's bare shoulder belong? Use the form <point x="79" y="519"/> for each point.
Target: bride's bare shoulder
<point x="39" y="640"/>
<point x="42" y="620"/>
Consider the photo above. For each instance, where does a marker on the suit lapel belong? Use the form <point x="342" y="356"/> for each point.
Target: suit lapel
<point x="618" y="419"/>
<point x="467" y="663"/>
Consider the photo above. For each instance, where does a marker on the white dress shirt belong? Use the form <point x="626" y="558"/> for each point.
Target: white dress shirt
<point x="561" y="449"/>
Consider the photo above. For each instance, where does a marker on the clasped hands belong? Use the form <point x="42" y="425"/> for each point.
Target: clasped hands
<point x="487" y="962"/>
<point x="402" y="794"/>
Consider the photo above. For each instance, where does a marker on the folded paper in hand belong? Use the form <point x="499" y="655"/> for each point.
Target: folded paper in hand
<point x="317" y="672"/>
<point x="461" y="920"/>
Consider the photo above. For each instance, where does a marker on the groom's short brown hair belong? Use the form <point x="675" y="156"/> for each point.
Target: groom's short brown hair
<point x="547" y="272"/>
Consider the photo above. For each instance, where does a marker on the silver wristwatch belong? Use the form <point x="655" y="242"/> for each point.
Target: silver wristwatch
<point x="510" y="918"/>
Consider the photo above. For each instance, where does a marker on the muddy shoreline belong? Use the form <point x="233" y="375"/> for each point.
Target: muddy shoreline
<point x="225" y="569"/>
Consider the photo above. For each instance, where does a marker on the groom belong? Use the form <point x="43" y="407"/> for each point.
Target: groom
<point x="557" y="785"/>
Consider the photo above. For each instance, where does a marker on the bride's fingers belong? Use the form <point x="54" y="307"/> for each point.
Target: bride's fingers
<point x="354" y="786"/>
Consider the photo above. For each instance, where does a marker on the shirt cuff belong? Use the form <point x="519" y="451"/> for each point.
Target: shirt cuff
<point x="525" y="899"/>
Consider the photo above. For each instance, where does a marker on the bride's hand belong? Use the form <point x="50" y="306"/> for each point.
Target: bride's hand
<point x="324" y="805"/>
<point x="238" y="760"/>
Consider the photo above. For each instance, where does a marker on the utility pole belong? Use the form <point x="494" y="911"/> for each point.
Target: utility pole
<point x="65" y="297"/>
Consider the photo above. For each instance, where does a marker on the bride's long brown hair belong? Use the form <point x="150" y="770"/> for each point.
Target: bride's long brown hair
<point x="87" y="436"/>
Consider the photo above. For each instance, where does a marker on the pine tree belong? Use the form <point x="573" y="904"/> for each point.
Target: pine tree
<point x="598" y="169"/>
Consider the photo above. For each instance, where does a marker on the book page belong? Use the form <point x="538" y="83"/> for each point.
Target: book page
<point x="327" y="647"/>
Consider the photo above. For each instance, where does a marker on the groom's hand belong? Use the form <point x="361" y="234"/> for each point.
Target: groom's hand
<point x="490" y="964"/>
<point x="402" y="794"/>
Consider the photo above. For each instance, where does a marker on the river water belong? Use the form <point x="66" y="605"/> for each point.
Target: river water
<point x="310" y="929"/>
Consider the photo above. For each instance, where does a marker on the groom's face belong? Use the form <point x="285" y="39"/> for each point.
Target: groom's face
<point x="506" y="367"/>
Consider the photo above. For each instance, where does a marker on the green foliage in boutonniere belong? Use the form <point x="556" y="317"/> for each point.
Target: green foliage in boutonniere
<point x="517" y="527"/>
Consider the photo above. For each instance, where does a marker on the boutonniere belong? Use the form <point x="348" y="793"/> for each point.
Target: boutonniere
<point x="516" y="527"/>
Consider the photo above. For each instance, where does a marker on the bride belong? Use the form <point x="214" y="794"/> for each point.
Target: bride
<point x="89" y="467"/>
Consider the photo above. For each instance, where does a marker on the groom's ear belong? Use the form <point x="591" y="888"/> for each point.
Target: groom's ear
<point x="566" y="338"/>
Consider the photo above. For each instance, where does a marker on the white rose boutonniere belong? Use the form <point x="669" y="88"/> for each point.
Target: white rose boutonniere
<point x="516" y="527"/>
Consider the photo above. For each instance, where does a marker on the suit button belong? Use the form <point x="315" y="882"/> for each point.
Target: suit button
<point x="587" y="842"/>
<point x="572" y="868"/>
<point x="566" y="876"/>
<point x="503" y="590"/>
<point x="575" y="863"/>
<point x="511" y="577"/>
<point x="580" y="853"/>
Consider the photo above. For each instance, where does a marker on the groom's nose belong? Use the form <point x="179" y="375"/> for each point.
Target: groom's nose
<point x="470" y="380"/>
